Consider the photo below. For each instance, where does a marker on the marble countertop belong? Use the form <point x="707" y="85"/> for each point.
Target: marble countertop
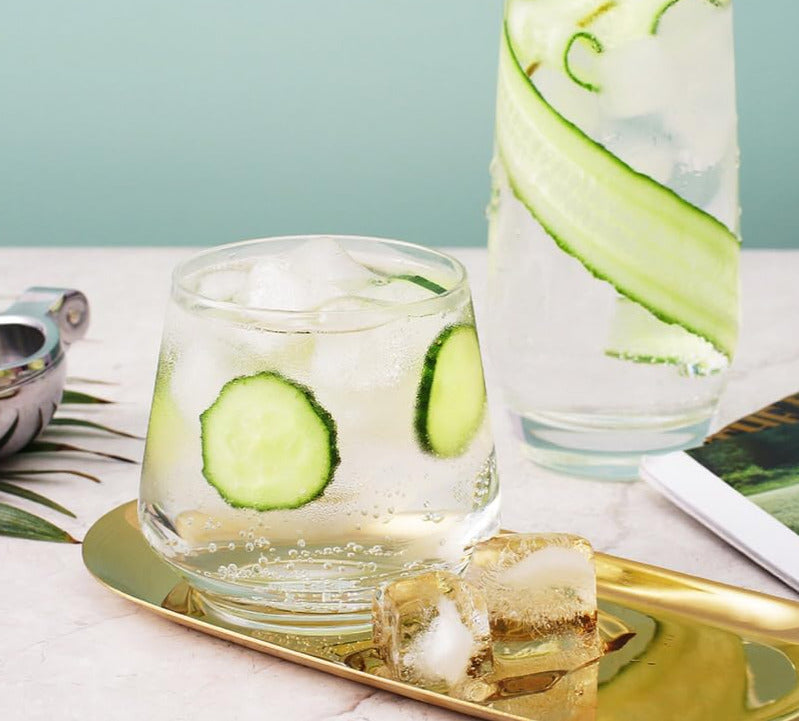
<point x="70" y="649"/>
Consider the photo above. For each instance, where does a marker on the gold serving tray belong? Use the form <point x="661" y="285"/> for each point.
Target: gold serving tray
<point x="701" y="651"/>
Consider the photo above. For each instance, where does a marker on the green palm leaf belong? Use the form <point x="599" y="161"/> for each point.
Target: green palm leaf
<point x="52" y="447"/>
<point x="81" y="423"/>
<point x="80" y="397"/>
<point x="19" y="474"/>
<point x="21" y="524"/>
<point x="29" y="495"/>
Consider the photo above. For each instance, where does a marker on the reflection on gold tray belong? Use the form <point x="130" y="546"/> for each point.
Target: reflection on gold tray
<point x="701" y="651"/>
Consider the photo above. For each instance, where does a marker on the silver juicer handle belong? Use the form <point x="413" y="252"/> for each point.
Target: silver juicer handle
<point x="34" y="333"/>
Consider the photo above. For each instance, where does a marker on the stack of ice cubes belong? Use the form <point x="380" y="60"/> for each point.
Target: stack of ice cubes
<point x="518" y="630"/>
<point x="316" y="274"/>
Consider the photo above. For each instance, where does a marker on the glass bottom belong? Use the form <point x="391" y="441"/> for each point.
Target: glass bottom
<point x="344" y="626"/>
<point x="326" y="591"/>
<point x="608" y="448"/>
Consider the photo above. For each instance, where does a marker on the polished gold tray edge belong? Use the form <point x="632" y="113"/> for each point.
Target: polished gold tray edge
<point x="287" y="654"/>
<point x="751" y="613"/>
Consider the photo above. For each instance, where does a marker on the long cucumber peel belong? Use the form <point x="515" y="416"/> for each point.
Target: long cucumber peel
<point x="636" y="335"/>
<point x="655" y="248"/>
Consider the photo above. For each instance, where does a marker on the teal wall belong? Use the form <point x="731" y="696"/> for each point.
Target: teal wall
<point x="157" y="122"/>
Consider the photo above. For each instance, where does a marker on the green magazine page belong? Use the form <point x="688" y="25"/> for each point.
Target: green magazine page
<point x="758" y="456"/>
<point x="743" y="484"/>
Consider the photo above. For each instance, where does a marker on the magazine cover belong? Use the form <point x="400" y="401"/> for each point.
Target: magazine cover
<point x="743" y="483"/>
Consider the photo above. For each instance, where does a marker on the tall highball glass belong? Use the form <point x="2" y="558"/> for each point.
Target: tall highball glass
<point x="614" y="224"/>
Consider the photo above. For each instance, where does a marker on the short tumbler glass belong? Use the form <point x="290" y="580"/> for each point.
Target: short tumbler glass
<point x="318" y="428"/>
<point x="614" y="221"/>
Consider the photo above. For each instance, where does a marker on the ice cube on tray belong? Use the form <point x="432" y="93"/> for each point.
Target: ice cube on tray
<point x="432" y="630"/>
<point x="540" y="590"/>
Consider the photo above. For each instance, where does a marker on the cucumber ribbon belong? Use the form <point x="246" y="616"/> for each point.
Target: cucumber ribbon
<point x="658" y="250"/>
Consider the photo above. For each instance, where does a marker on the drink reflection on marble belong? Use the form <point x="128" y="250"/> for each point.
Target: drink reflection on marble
<point x="318" y="427"/>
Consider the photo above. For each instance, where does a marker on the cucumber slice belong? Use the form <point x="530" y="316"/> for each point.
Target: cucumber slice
<point x="423" y="282"/>
<point x="541" y="28"/>
<point x="542" y="31"/>
<point x="636" y="335"/>
<point x="267" y="443"/>
<point x="591" y="42"/>
<point x="669" y="3"/>
<point x="655" y="248"/>
<point x="450" y="403"/>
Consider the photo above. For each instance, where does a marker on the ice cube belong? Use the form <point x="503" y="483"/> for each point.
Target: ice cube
<point x="198" y="376"/>
<point x="222" y="285"/>
<point x="303" y="278"/>
<point x="273" y="284"/>
<point x="376" y="356"/>
<point x="204" y="352"/>
<point x="637" y="78"/>
<point x="432" y="630"/>
<point x="541" y="596"/>
<point x="644" y="146"/>
<point x="394" y="290"/>
<point x="325" y="261"/>
<point x="703" y="117"/>
<point x="574" y="102"/>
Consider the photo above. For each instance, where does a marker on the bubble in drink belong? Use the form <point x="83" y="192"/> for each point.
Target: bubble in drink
<point x="541" y="596"/>
<point x="432" y="630"/>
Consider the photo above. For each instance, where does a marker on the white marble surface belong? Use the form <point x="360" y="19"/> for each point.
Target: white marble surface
<point x="70" y="649"/>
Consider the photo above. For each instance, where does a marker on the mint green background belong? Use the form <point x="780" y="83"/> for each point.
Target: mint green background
<point x="155" y="122"/>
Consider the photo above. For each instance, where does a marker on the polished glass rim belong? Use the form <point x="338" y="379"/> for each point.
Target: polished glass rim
<point x="224" y="254"/>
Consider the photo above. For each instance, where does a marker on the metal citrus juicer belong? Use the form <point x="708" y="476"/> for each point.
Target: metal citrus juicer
<point x="34" y="335"/>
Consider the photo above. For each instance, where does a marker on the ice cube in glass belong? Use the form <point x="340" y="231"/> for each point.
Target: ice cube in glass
<point x="377" y="487"/>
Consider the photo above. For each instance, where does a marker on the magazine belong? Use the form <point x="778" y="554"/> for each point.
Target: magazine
<point x="743" y="483"/>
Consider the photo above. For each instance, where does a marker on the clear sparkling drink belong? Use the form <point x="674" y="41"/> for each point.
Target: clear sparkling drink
<point x="613" y="226"/>
<point x="318" y="427"/>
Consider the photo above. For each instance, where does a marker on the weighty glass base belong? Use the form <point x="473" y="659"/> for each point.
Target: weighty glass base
<point x="275" y="620"/>
<point x="607" y="448"/>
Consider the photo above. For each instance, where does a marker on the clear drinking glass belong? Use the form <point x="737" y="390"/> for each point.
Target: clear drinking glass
<point x="318" y="427"/>
<point x="614" y="223"/>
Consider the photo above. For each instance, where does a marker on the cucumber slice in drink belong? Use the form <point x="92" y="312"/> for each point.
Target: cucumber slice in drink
<point x="540" y="30"/>
<point x="267" y="443"/>
<point x="586" y="40"/>
<point x="655" y="248"/>
<point x="422" y="282"/>
<point x="636" y="335"/>
<point x="451" y="400"/>
<point x="669" y="3"/>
